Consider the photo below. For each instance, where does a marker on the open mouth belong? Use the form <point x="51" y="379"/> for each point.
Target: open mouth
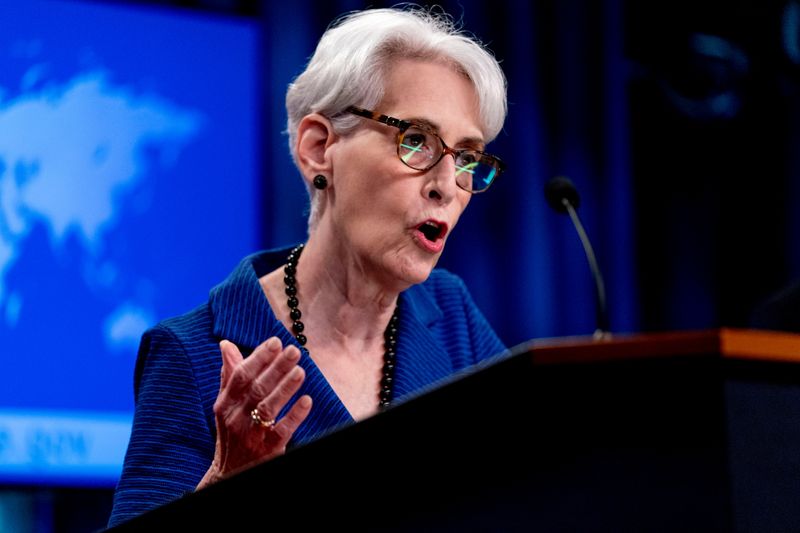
<point x="433" y="230"/>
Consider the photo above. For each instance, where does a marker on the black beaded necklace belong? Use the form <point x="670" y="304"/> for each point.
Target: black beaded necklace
<point x="389" y="336"/>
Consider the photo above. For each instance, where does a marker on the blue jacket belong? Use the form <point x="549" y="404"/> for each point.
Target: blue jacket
<point x="177" y="374"/>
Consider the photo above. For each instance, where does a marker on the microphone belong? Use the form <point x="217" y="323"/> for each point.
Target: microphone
<point x="563" y="197"/>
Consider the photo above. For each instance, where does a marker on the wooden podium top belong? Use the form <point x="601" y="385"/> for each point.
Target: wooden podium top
<point x="730" y="343"/>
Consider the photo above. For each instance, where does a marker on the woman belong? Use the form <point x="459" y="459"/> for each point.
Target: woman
<point x="387" y="126"/>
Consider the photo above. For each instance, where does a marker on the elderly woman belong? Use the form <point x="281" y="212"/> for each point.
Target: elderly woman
<point x="387" y="126"/>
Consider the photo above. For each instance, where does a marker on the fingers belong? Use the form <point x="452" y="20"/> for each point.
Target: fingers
<point x="245" y="371"/>
<point x="278" y="436"/>
<point x="274" y="377"/>
<point x="279" y="394"/>
<point x="266" y="380"/>
<point x="292" y="420"/>
<point x="231" y="357"/>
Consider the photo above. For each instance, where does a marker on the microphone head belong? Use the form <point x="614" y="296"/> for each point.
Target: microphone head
<point x="557" y="190"/>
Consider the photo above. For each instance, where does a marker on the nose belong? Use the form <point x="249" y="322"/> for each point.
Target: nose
<point x="440" y="185"/>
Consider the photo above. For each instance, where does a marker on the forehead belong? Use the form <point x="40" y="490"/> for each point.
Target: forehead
<point x="435" y="93"/>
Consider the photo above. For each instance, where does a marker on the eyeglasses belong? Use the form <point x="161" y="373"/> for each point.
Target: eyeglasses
<point x="421" y="149"/>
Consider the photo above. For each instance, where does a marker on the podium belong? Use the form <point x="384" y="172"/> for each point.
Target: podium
<point x="683" y="431"/>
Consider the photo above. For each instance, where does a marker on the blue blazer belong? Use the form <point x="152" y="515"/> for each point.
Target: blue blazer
<point x="177" y="375"/>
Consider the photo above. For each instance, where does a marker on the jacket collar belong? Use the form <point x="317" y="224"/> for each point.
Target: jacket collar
<point x="242" y="315"/>
<point x="241" y="312"/>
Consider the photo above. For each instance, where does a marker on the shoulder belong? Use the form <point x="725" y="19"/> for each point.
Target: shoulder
<point x="186" y="326"/>
<point x="182" y="332"/>
<point x="181" y="345"/>
<point x="445" y="305"/>
<point x="443" y="297"/>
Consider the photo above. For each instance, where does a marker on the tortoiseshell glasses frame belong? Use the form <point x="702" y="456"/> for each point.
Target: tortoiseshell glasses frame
<point x="421" y="148"/>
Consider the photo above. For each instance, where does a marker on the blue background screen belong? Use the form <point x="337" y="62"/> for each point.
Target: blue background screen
<point x="129" y="187"/>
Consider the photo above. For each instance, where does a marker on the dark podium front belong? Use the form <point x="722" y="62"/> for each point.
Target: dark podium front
<point x="690" y="431"/>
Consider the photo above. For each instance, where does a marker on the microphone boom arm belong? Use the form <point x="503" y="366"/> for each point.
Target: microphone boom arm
<point x="602" y="330"/>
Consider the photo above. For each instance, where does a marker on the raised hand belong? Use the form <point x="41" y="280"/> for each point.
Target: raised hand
<point x="252" y="393"/>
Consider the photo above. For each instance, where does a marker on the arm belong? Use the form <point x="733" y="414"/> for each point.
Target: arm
<point x="171" y="444"/>
<point x="172" y="448"/>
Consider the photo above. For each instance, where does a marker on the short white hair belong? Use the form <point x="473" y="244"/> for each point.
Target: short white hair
<point x="355" y="52"/>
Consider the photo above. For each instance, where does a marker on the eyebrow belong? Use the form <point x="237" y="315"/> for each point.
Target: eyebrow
<point x="468" y="141"/>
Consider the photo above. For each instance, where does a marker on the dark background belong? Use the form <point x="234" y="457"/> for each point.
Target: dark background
<point x="678" y="122"/>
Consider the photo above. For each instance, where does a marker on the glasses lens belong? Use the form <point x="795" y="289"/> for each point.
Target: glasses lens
<point x="474" y="171"/>
<point x="419" y="148"/>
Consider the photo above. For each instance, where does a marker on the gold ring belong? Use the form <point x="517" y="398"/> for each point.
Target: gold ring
<point x="256" y="417"/>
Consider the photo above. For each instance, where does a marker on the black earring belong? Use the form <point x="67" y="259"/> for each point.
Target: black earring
<point x="320" y="181"/>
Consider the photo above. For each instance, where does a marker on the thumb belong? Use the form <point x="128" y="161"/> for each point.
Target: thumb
<point x="231" y="358"/>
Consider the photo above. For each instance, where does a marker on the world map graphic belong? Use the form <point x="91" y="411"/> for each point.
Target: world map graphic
<point x="69" y="157"/>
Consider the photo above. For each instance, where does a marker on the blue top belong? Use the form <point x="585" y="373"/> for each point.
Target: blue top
<point x="177" y="375"/>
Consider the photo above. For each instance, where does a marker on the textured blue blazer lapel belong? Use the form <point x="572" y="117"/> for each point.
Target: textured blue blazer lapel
<point x="241" y="312"/>
<point x="421" y="359"/>
<point x="243" y="316"/>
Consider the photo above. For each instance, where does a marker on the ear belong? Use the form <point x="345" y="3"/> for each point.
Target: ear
<point x="315" y="136"/>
